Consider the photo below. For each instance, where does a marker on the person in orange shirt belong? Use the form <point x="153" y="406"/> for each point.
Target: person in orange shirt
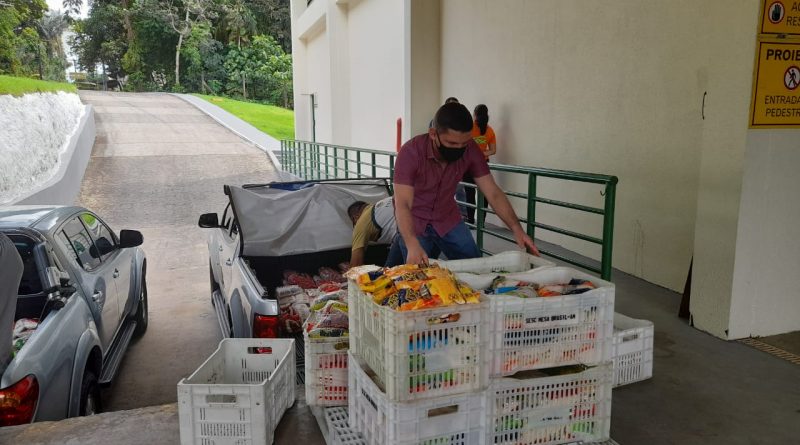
<point x="482" y="132"/>
<point x="484" y="136"/>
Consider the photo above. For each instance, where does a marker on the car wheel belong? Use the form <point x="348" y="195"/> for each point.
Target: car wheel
<point x="90" y="395"/>
<point x="141" y="311"/>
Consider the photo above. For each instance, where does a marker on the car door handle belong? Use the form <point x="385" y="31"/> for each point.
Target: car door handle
<point x="116" y="273"/>
<point x="220" y="248"/>
<point x="228" y="262"/>
<point x="97" y="296"/>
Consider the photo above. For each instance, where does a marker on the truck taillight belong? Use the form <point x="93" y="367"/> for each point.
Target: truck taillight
<point x="266" y="326"/>
<point x="18" y="402"/>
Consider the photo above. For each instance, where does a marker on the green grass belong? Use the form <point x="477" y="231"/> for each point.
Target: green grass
<point x="18" y="86"/>
<point x="275" y="121"/>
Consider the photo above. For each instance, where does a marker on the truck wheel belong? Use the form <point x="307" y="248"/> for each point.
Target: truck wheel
<point x="141" y="310"/>
<point x="90" y="395"/>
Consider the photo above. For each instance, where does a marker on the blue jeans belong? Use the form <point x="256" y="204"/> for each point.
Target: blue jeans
<point x="456" y="244"/>
<point x="396" y="256"/>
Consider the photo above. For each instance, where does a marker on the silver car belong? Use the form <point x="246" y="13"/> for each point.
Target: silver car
<point x="85" y="287"/>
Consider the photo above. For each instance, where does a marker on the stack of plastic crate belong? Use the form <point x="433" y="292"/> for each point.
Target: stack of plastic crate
<point x="238" y="395"/>
<point x="417" y="376"/>
<point x="551" y="363"/>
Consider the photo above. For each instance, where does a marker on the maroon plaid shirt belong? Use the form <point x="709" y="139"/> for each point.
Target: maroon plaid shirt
<point x="435" y="181"/>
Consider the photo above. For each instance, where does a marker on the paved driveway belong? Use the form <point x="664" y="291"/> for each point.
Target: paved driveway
<point x="157" y="164"/>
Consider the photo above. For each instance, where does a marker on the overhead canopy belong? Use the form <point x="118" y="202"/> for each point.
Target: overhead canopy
<point x="292" y="218"/>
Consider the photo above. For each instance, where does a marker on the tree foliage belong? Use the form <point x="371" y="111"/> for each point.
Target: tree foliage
<point x="30" y="40"/>
<point x="238" y="48"/>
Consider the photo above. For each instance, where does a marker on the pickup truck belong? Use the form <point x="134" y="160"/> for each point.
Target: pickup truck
<point x="85" y="286"/>
<point x="266" y="229"/>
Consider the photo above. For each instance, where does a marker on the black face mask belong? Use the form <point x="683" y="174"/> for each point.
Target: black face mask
<point x="450" y="154"/>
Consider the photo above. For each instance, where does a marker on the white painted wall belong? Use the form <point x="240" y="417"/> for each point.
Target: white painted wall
<point x="376" y="45"/>
<point x="318" y="78"/>
<point x="726" y="46"/>
<point x="607" y="87"/>
<point x="766" y="298"/>
<point x="424" y="65"/>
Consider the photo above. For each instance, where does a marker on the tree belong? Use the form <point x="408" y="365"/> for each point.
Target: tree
<point x="239" y="22"/>
<point x="101" y="39"/>
<point x="194" y="12"/>
<point x="262" y="63"/>
<point x="51" y="27"/>
<point x="273" y="19"/>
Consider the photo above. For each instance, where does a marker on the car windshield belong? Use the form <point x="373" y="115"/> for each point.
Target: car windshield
<point x="30" y="283"/>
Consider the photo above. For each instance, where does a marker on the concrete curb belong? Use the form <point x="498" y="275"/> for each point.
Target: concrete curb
<point x="246" y="131"/>
<point x="65" y="186"/>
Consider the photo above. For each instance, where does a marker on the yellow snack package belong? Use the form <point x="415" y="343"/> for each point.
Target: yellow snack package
<point x="446" y="290"/>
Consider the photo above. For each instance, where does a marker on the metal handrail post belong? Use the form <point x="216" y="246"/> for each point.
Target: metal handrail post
<point x="531" y="219"/>
<point x="608" y="229"/>
<point x="480" y="215"/>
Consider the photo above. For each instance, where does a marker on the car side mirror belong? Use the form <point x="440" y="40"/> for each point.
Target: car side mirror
<point x="130" y="238"/>
<point x="208" y="221"/>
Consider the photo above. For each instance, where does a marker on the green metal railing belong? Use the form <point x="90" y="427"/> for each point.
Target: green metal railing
<point x="313" y="160"/>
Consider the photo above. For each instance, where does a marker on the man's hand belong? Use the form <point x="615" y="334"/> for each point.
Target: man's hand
<point x="525" y="242"/>
<point x="416" y="255"/>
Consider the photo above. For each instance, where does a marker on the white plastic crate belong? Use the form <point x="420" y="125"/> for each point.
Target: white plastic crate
<point x="449" y="420"/>
<point x="326" y="371"/>
<point x="238" y="395"/>
<point x="545" y="332"/>
<point x="339" y="430"/>
<point x="550" y="410"/>
<point x="633" y="350"/>
<point x="421" y="354"/>
<point x="505" y="262"/>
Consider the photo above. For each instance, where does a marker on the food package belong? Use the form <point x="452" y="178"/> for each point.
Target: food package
<point x="412" y="287"/>
<point x="23" y="329"/>
<point x="303" y="280"/>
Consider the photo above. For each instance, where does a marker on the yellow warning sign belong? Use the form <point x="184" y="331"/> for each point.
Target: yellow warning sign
<point x="776" y="86"/>
<point x="780" y="17"/>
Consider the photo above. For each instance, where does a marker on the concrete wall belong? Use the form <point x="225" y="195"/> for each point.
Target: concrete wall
<point x="616" y="88"/>
<point x="65" y="186"/>
<point x="765" y="294"/>
<point x="424" y="65"/>
<point x="726" y="46"/>
<point x="376" y="45"/>
<point x="655" y="93"/>
<point x="350" y="54"/>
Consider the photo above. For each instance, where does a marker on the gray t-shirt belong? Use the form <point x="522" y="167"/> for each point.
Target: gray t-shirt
<point x="10" y="274"/>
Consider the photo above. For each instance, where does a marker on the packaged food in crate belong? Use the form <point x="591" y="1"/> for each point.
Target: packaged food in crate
<point x="326" y="371"/>
<point x="550" y="407"/>
<point x="474" y="271"/>
<point x="542" y="332"/>
<point x="238" y="395"/>
<point x="421" y="354"/>
<point x="424" y="352"/>
<point x="633" y="350"/>
<point x="448" y="420"/>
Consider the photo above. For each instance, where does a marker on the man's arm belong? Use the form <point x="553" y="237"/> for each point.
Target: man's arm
<point x="363" y="233"/>
<point x="403" y="200"/>
<point x="357" y="257"/>
<point x="502" y="207"/>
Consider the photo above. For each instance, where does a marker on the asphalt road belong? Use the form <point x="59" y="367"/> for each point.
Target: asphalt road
<point x="157" y="164"/>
